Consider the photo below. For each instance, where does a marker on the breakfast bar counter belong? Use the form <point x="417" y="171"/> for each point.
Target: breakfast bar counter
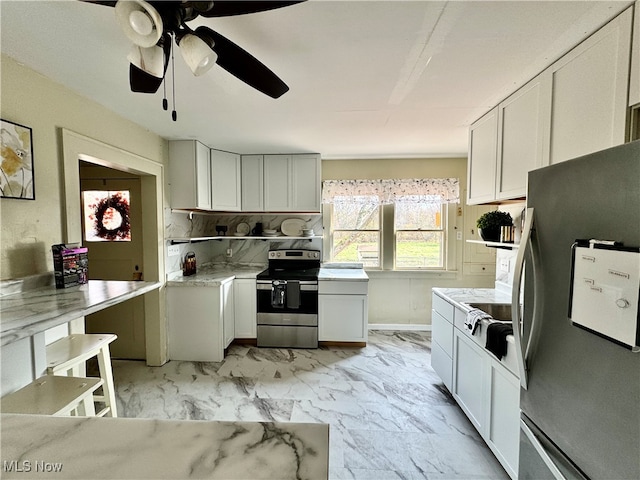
<point x="24" y="314"/>
<point x="127" y="448"/>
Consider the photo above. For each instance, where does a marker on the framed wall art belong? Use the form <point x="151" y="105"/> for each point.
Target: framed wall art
<point x="16" y="167"/>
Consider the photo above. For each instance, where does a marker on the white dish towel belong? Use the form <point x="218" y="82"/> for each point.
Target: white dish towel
<point x="474" y="316"/>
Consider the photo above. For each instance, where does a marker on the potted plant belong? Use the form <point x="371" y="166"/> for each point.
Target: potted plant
<point x="489" y="224"/>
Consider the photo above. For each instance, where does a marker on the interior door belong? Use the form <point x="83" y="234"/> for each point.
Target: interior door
<point x="118" y="260"/>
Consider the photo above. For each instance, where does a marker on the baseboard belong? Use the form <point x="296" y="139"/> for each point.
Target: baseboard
<point x="399" y="326"/>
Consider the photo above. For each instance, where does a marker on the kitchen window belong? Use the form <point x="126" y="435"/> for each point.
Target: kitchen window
<point x="420" y="236"/>
<point x="389" y="224"/>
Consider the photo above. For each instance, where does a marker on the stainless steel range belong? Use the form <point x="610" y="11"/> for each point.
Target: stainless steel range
<point x="287" y="294"/>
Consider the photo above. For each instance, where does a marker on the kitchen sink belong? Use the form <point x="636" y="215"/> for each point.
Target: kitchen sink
<point x="499" y="311"/>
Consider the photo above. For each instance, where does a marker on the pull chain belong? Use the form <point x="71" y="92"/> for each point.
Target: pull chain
<point x="174" y="114"/>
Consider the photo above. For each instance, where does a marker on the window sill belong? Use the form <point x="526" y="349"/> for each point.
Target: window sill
<point x="387" y="274"/>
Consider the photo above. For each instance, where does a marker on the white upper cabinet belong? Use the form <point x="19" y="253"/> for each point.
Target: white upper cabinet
<point x="590" y="91"/>
<point x="481" y="166"/>
<point x="252" y="183"/>
<point x="225" y="181"/>
<point x="292" y="183"/>
<point x="634" y="82"/>
<point x="523" y="119"/>
<point x="306" y="183"/>
<point x="277" y="183"/>
<point x="189" y="174"/>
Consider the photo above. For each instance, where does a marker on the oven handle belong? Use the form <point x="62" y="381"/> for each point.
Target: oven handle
<point x="304" y="286"/>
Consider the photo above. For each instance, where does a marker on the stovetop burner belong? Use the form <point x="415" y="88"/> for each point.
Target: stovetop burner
<point x="288" y="274"/>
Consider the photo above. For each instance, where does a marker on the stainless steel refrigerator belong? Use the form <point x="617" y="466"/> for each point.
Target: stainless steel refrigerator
<point x="580" y="385"/>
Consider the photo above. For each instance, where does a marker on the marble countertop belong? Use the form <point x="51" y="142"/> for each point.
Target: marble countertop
<point x="33" y="311"/>
<point x="127" y="448"/>
<point x="473" y="295"/>
<point x="213" y="275"/>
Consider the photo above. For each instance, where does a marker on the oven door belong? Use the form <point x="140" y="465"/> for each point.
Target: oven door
<point x="282" y="296"/>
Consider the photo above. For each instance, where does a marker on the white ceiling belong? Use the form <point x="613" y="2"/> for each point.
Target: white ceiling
<point x="367" y="78"/>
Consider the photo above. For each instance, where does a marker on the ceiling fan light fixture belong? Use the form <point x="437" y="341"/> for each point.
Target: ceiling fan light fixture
<point x="140" y="22"/>
<point x="149" y="60"/>
<point x="197" y="54"/>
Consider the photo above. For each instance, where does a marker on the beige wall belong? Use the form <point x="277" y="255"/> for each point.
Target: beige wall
<point x="29" y="228"/>
<point x="404" y="298"/>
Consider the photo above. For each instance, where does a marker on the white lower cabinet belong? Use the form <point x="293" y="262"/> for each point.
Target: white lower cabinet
<point x="503" y="427"/>
<point x="245" y="301"/>
<point x="342" y="311"/>
<point x="486" y="391"/>
<point x="197" y="322"/>
<point x="469" y="371"/>
<point x="228" y="313"/>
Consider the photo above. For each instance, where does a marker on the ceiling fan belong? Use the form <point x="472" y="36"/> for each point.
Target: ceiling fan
<point x="152" y="26"/>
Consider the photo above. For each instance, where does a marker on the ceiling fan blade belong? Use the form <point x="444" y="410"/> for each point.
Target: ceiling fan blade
<point x="143" y="82"/>
<point x="231" y="7"/>
<point x="241" y="64"/>
<point x="101" y="2"/>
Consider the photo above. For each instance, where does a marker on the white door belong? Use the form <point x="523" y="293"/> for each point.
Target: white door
<point x="118" y="260"/>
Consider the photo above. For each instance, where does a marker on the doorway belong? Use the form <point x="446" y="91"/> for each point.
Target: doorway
<point x="116" y="258"/>
<point x="78" y="148"/>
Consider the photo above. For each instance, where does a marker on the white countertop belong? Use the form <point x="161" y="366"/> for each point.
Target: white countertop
<point x="126" y="448"/>
<point x="351" y="274"/>
<point x="214" y="275"/>
<point x="30" y="312"/>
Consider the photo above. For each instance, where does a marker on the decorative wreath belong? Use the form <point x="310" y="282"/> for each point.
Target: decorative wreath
<point x="121" y="205"/>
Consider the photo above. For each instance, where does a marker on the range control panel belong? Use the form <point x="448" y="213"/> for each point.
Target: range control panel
<point x="294" y="255"/>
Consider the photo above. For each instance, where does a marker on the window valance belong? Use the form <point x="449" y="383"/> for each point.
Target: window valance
<point x="418" y="190"/>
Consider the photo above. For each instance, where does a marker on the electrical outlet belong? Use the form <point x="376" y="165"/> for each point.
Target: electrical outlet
<point x="173" y="250"/>
<point x="504" y="265"/>
<point x="229" y="252"/>
<point x="458" y="235"/>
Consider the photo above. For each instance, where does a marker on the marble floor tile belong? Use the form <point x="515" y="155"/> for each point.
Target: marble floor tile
<point x="390" y="416"/>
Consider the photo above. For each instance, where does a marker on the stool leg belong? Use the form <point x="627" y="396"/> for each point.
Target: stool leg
<point x="104" y="362"/>
<point x="86" y="407"/>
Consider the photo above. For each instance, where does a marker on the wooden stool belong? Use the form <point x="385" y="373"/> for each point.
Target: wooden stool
<point x="52" y="395"/>
<point x="69" y="352"/>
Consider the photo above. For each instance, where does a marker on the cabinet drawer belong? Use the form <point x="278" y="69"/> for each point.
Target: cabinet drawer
<point x="443" y="307"/>
<point x="341" y="287"/>
<point x="442" y="332"/>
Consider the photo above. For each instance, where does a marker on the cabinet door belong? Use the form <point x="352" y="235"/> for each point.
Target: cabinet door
<point x="252" y="183"/>
<point x="522" y="120"/>
<point x="244" y="295"/>
<point x="306" y="183"/>
<point x="589" y="84"/>
<point x="342" y="318"/>
<point x="225" y="181"/>
<point x="277" y="183"/>
<point x="195" y="324"/>
<point x="228" y="313"/>
<point x="469" y="374"/>
<point x="481" y="168"/>
<point x="189" y="174"/>
<point x="504" y="417"/>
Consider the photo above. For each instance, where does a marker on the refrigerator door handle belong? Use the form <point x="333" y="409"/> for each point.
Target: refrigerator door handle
<point x="516" y="315"/>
